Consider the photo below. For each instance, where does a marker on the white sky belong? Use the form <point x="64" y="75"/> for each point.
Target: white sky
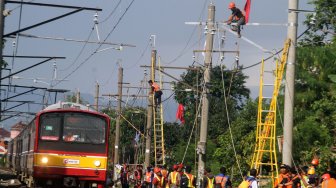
<point x="165" y="19"/>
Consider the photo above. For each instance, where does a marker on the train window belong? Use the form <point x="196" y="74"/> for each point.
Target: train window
<point x="84" y="129"/>
<point x="50" y="127"/>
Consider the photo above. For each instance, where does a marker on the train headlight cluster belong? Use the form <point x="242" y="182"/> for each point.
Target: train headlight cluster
<point x="97" y="163"/>
<point x="44" y="160"/>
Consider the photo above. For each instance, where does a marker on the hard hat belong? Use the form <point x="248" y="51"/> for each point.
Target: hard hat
<point x="311" y="170"/>
<point x="156" y="170"/>
<point x="315" y="161"/>
<point x="326" y="176"/>
<point x="232" y="5"/>
<point x="175" y="167"/>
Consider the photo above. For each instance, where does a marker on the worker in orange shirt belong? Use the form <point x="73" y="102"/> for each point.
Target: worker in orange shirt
<point x="284" y="180"/>
<point x="157" y="92"/>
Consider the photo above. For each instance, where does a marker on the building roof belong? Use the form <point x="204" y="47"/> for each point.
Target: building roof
<point x="19" y="126"/>
<point x="4" y="133"/>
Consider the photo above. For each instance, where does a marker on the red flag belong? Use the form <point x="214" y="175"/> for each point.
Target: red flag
<point x="247" y="10"/>
<point x="180" y="113"/>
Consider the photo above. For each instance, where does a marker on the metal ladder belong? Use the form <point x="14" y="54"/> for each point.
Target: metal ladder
<point x="265" y="150"/>
<point x="159" y="146"/>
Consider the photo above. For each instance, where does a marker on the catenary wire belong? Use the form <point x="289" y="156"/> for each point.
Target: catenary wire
<point x="115" y="8"/>
<point x="92" y="54"/>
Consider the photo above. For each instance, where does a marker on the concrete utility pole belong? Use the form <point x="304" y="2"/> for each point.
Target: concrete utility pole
<point x="2" y="20"/>
<point x="201" y="148"/>
<point x="117" y="134"/>
<point x="97" y="96"/>
<point x="289" y="89"/>
<point x="150" y="112"/>
<point x="78" y="96"/>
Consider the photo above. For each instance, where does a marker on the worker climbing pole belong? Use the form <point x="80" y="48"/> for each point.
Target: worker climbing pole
<point x="159" y="149"/>
<point x="265" y="152"/>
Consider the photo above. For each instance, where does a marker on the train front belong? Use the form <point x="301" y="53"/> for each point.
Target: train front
<point x="71" y="149"/>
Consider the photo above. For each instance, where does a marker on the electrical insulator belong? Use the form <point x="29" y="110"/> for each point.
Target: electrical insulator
<point x="95" y="19"/>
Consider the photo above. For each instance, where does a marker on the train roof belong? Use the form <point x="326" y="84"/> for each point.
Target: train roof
<point x="68" y="105"/>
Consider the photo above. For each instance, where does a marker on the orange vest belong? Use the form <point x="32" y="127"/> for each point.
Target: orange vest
<point x="330" y="183"/>
<point x="220" y="180"/>
<point x="148" y="177"/>
<point x="281" y="177"/>
<point x="156" y="87"/>
<point x="158" y="181"/>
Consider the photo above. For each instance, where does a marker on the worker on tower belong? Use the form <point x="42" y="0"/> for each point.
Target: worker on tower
<point x="237" y="16"/>
<point x="174" y="178"/>
<point x="157" y="92"/>
<point x="208" y="180"/>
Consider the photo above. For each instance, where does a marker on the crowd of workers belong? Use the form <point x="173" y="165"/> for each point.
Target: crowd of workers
<point x="180" y="176"/>
<point x="176" y="176"/>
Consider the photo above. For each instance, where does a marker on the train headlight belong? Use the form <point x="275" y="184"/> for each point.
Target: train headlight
<point x="44" y="160"/>
<point x="97" y="163"/>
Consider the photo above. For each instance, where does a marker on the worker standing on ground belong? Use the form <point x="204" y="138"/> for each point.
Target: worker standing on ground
<point x="148" y="177"/>
<point x="157" y="92"/>
<point x="237" y="16"/>
<point x="187" y="179"/>
<point x="208" y="180"/>
<point x="284" y="178"/>
<point x="174" y="178"/>
<point x="221" y="180"/>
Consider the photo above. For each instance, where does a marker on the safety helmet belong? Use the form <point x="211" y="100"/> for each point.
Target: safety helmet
<point x="326" y="176"/>
<point x="315" y="161"/>
<point x="232" y="5"/>
<point x="175" y="167"/>
<point x="311" y="170"/>
<point x="157" y="170"/>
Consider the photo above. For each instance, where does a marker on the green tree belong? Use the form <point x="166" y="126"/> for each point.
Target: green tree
<point x="322" y="23"/>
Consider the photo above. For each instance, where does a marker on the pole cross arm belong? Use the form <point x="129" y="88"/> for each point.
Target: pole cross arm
<point x="44" y="22"/>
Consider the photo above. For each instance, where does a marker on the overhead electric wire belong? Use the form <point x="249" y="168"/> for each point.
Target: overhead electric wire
<point x="92" y="54"/>
<point x="80" y="52"/>
<point x="141" y="56"/>
<point x="19" y="6"/>
<point x="183" y="51"/>
<point x="276" y="53"/>
<point x="108" y="17"/>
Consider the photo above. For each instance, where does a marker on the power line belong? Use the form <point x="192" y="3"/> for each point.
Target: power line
<point x="183" y="51"/>
<point x="92" y="54"/>
<point x="108" y="17"/>
<point x="80" y="52"/>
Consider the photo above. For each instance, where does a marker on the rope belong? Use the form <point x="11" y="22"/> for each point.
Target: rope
<point x="132" y="125"/>
<point x="192" y="130"/>
<point x="228" y="120"/>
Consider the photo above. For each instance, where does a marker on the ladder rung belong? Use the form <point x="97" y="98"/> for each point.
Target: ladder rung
<point x="268" y="84"/>
<point x="267" y="97"/>
<point x="267" y="110"/>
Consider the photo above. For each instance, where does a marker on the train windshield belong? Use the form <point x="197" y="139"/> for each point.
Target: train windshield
<point x="73" y="127"/>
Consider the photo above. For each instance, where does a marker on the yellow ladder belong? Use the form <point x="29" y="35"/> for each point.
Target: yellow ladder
<point x="265" y="150"/>
<point x="159" y="147"/>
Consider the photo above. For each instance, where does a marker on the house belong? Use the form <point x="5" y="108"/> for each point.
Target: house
<point x="16" y="129"/>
